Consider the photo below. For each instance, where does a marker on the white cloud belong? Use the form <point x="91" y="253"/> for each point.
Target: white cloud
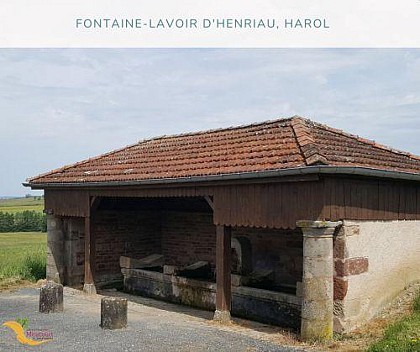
<point x="63" y="105"/>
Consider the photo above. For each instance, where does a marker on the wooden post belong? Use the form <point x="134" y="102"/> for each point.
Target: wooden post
<point x="223" y="279"/>
<point x="89" y="285"/>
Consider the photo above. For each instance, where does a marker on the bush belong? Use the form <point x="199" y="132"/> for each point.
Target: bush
<point x="35" y="266"/>
<point x="25" y="221"/>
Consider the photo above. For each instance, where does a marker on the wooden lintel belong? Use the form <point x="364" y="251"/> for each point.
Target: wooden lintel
<point x="223" y="270"/>
<point x="209" y="201"/>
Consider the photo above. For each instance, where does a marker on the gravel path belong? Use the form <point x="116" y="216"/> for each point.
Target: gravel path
<point x="152" y="326"/>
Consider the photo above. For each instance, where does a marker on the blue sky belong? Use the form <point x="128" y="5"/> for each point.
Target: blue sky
<point x="59" y="106"/>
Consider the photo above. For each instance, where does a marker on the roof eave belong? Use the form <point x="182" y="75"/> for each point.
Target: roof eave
<point x="320" y="169"/>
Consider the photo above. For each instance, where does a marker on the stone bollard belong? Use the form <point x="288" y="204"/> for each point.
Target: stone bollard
<point x="51" y="298"/>
<point x="113" y="313"/>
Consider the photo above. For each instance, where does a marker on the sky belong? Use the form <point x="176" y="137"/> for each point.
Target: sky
<point x="60" y="106"/>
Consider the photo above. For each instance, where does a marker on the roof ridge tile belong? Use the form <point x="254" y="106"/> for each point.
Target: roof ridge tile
<point x="306" y="142"/>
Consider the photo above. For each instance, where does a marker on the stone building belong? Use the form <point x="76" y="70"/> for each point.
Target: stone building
<point x="297" y="223"/>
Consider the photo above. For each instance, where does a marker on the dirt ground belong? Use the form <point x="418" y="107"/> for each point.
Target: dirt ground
<point x="357" y="340"/>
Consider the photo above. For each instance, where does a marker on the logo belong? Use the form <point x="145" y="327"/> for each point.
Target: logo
<point x="28" y="337"/>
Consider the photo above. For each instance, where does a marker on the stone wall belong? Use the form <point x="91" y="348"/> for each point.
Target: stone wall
<point x="74" y="251"/>
<point x="65" y="250"/>
<point x="265" y="306"/>
<point x="278" y="250"/>
<point x="373" y="262"/>
<point x="55" y="249"/>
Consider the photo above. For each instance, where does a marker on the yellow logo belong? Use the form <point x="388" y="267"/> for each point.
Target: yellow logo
<point x="21" y="336"/>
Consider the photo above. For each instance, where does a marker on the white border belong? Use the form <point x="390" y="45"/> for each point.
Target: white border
<point x="352" y="23"/>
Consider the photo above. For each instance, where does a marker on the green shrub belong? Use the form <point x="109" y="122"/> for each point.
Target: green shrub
<point x="35" y="266"/>
<point x="23" y="221"/>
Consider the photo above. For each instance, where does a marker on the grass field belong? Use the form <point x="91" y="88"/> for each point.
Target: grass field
<point x="15" y="205"/>
<point x="22" y="256"/>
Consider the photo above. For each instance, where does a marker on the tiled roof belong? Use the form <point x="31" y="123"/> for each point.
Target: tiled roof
<point x="273" y="145"/>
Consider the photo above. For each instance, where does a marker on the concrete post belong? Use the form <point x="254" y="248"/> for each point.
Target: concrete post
<point x="51" y="298"/>
<point x="113" y="313"/>
<point x="317" y="282"/>
<point x="55" y="249"/>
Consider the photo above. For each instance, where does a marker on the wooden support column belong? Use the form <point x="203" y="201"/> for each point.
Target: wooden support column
<point x="89" y="284"/>
<point x="223" y="278"/>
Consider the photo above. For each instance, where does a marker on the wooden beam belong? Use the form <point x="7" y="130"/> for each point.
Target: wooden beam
<point x="209" y="201"/>
<point x="94" y="203"/>
<point x="223" y="259"/>
<point x="89" y="283"/>
<point x="88" y="249"/>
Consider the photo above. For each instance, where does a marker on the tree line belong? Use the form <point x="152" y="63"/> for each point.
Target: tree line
<point x="24" y="221"/>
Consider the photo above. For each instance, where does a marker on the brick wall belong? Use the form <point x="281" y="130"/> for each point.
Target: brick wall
<point x="131" y="233"/>
<point x="188" y="238"/>
<point x="278" y="250"/>
<point x="184" y="238"/>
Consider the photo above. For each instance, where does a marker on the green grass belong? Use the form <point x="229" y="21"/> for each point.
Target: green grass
<point x="23" y="256"/>
<point x="15" y="205"/>
<point x="402" y="336"/>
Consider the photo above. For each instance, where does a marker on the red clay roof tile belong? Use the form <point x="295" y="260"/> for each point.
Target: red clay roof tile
<point x="272" y="145"/>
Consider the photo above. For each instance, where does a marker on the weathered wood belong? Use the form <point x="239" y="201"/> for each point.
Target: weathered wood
<point x="151" y="261"/>
<point x="273" y="202"/>
<point x="67" y="202"/>
<point x="223" y="263"/>
<point x="113" y="313"/>
<point x="51" y="298"/>
<point x="88" y="252"/>
<point x="209" y="201"/>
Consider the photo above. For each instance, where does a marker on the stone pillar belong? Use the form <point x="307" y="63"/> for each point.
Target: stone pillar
<point x="51" y="298"/>
<point x="223" y="274"/>
<point x="317" y="282"/>
<point x="55" y="249"/>
<point x="74" y="233"/>
<point x="113" y="313"/>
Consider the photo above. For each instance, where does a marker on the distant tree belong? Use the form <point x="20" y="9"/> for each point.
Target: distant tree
<point x="6" y="222"/>
<point x="25" y="221"/>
